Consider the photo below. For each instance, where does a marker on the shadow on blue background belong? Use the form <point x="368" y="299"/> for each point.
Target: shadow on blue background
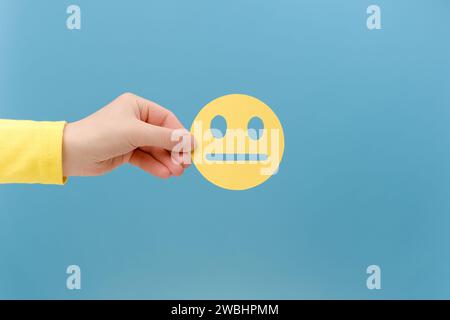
<point x="364" y="180"/>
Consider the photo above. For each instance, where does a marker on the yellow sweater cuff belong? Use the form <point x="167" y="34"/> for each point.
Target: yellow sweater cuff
<point x="31" y="152"/>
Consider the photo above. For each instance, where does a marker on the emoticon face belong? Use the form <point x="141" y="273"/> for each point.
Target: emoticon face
<point x="240" y="142"/>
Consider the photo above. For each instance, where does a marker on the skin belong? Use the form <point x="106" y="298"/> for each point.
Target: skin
<point x="130" y="129"/>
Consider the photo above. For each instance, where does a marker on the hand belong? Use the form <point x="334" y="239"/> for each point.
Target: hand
<point x="128" y="130"/>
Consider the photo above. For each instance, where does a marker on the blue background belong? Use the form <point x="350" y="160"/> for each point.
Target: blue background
<point x="365" y="177"/>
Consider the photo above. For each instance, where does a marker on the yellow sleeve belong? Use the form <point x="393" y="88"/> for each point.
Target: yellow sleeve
<point x="31" y="152"/>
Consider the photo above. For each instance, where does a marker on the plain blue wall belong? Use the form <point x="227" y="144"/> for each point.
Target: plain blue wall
<point x="365" y="178"/>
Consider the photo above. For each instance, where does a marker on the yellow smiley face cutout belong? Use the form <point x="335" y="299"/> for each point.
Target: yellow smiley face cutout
<point x="240" y="142"/>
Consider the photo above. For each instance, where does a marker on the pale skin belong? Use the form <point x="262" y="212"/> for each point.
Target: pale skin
<point x="130" y="129"/>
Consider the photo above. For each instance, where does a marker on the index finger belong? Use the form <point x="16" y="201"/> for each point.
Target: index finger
<point x="155" y="114"/>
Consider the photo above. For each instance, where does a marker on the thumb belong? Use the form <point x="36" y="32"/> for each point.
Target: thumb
<point x="148" y="135"/>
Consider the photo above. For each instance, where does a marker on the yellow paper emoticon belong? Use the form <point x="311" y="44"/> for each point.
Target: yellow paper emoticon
<point x="240" y="142"/>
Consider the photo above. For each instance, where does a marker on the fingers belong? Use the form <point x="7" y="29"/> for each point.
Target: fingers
<point x="149" y="164"/>
<point x="184" y="159"/>
<point x="155" y="114"/>
<point x="164" y="156"/>
<point x="161" y="138"/>
<point x="148" y="135"/>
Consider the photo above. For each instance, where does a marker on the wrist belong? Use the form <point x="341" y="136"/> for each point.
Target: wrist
<point x="68" y="153"/>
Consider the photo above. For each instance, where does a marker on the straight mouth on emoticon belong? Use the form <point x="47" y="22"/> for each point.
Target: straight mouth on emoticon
<point x="236" y="157"/>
